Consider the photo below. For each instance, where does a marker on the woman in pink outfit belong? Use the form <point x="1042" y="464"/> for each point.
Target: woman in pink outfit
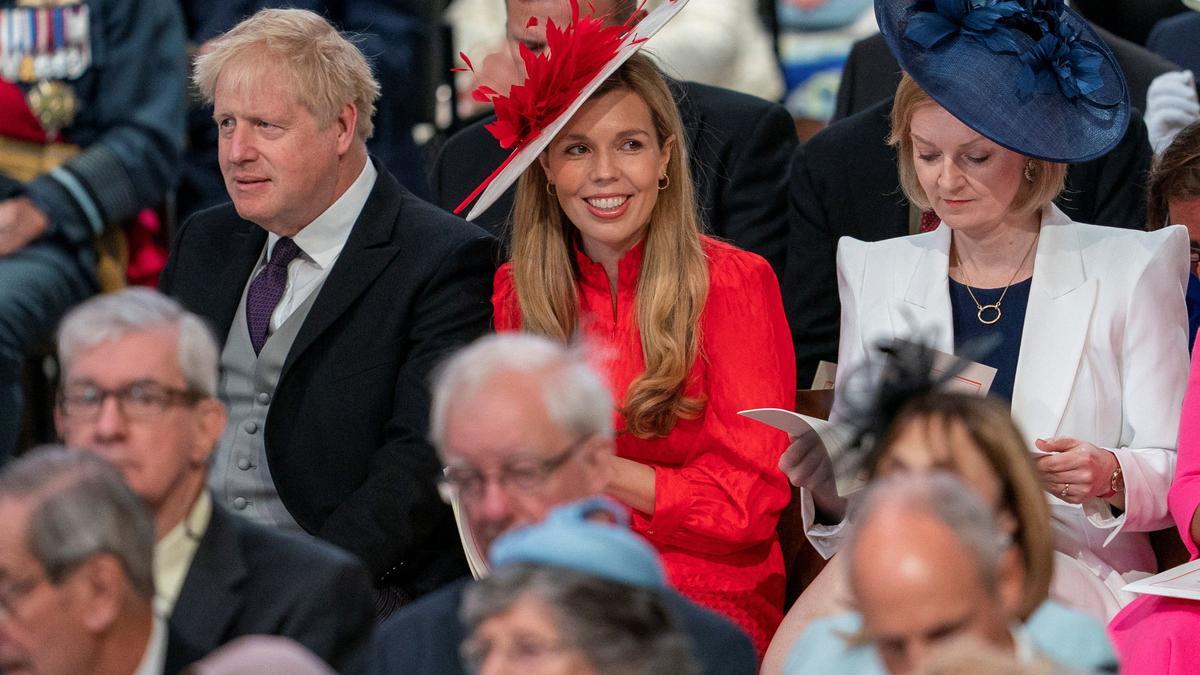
<point x="1156" y="634"/>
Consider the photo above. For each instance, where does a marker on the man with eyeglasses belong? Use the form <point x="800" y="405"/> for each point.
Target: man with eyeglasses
<point x="522" y="425"/>
<point x="75" y="570"/>
<point x="139" y="385"/>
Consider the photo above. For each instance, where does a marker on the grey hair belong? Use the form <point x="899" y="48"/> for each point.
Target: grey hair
<point x="83" y="507"/>
<point x="575" y="397"/>
<point x="115" y="315"/>
<point x="621" y="629"/>
<point x="944" y="497"/>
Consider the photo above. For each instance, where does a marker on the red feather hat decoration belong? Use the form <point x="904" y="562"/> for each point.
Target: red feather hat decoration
<point x="555" y="83"/>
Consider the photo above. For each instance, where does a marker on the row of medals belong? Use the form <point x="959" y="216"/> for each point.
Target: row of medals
<point x="32" y="51"/>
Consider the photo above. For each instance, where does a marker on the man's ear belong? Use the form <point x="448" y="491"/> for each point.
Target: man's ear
<point x="99" y="587"/>
<point x="347" y="126"/>
<point x="598" y="452"/>
<point x="1010" y="582"/>
<point x="211" y="417"/>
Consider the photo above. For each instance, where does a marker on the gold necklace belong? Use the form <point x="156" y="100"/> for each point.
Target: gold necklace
<point x="995" y="306"/>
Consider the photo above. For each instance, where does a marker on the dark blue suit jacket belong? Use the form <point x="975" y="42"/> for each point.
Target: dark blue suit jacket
<point x="424" y="638"/>
<point x="249" y="580"/>
<point x="347" y="431"/>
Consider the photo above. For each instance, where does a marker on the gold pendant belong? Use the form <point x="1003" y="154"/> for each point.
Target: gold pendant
<point x="984" y="308"/>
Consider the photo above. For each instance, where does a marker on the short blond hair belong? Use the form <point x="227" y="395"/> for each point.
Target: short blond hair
<point x="1048" y="178"/>
<point x="324" y="68"/>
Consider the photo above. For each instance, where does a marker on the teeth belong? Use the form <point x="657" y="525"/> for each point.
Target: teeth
<point x="607" y="203"/>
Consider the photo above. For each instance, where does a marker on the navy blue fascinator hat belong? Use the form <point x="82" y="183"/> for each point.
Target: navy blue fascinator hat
<point x="1031" y="75"/>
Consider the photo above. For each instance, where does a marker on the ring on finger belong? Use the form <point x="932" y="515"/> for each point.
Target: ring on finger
<point x="1062" y="494"/>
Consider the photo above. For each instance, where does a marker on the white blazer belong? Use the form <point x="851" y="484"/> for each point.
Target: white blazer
<point x="1103" y="359"/>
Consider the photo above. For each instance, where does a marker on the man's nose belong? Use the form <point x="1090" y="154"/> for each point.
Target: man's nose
<point x="241" y="144"/>
<point x="110" y="419"/>
<point x="494" y="502"/>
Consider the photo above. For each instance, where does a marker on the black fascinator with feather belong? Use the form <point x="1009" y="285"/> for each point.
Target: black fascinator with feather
<point x="911" y="371"/>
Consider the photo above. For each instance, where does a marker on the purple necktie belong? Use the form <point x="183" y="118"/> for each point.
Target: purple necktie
<point x="266" y="290"/>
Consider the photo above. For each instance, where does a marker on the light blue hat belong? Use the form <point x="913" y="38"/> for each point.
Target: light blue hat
<point x="572" y="537"/>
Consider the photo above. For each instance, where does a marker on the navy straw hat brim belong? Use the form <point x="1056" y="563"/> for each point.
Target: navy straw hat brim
<point x="980" y="88"/>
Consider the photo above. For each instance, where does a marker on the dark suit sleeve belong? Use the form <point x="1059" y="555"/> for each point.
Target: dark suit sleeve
<point x="166" y="278"/>
<point x="335" y="615"/>
<point x="810" y="293"/>
<point x="396" y="512"/>
<point x="1111" y="190"/>
<point x="755" y="202"/>
<point x="845" y="104"/>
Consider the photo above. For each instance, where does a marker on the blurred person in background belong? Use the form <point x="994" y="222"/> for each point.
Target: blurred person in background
<point x="76" y="584"/>
<point x="1173" y="198"/>
<point x="139" y="390"/>
<point x="576" y="594"/>
<point x="722" y="43"/>
<point x="931" y="562"/>
<point x="92" y="98"/>
<point x="912" y="428"/>
<point x="524" y="425"/>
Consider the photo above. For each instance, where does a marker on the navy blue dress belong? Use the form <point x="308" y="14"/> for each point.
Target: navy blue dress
<point x="969" y="329"/>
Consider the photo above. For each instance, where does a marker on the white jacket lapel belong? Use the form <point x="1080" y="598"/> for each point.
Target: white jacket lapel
<point x="1061" y="301"/>
<point x="921" y="308"/>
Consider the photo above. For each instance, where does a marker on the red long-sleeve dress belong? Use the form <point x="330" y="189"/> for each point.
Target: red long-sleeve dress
<point x="717" y="489"/>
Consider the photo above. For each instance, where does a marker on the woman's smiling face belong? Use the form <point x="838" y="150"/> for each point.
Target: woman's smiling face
<point x="605" y="167"/>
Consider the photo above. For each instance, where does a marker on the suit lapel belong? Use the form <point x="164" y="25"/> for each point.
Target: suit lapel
<point x="226" y="295"/>
<point x="209" y="601"/>
<point x="1061" y="301"/>
<point x="367" y="253"/>
<point x="921" y="309"/>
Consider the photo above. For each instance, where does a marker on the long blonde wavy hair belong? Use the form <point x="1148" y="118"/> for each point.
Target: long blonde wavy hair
<point x="672" y="285"/>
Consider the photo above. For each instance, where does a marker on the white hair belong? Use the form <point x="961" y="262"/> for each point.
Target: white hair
<point x="943" y="497"/>
<point x="115" y="315"/>
<point x="575" y="397"/>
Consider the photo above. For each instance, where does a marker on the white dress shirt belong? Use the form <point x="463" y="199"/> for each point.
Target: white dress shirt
<point x="320" y="242"/>
<point x="173" y="554"/>
<point x="154" y="659"/>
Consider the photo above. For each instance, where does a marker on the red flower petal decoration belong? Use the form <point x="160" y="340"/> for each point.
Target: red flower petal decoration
<point x="574" y="54"/>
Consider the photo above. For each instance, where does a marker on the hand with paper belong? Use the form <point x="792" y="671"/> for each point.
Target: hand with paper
<point x="807" y="461"/>
<point x="1077" y="471"/>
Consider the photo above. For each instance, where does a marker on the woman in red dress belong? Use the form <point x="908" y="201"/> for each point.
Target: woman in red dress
<point x="607" y="244"/>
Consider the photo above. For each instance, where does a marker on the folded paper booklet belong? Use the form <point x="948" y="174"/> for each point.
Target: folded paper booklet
<point x="972" y="378"/>
<point x="1177" y="582"/>
<point x="835" y="437"/>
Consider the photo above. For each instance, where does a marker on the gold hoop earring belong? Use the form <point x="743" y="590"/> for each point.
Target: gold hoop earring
<point x="551" y="190"/>
<point x="664" y="183"/>
<point x="1029" y="170"/>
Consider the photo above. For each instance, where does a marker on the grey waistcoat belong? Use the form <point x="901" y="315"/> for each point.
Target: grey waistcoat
<point x="240" y="476"/>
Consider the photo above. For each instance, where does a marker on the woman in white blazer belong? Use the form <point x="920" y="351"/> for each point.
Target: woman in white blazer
<point x="1090" y="320"/>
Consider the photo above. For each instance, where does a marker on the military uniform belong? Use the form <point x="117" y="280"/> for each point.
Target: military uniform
<point x="92" y="96"/>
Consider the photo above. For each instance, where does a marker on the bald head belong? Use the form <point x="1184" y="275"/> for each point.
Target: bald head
<point x="927" y="563"/>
